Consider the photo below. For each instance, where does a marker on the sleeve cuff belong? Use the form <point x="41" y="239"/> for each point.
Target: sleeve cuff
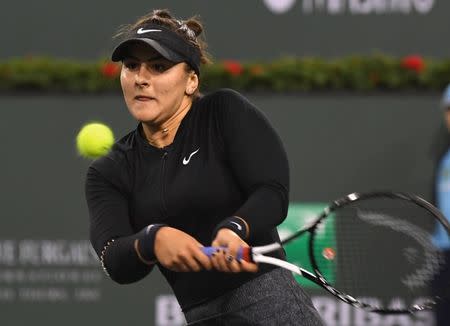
<point x="235" y="224"/>
<point x="146" y="243"/>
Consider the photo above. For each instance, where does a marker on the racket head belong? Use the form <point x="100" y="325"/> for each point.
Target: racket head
<point x="385" y="249"/>
<point x="404" y="224"/>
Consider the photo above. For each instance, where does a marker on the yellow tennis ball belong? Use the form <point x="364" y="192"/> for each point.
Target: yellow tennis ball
<point x="94" y="140"/>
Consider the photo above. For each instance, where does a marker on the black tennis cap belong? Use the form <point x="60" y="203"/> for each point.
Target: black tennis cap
<point x="166" y="42"/>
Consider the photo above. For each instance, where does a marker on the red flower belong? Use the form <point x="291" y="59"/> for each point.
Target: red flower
<point x="110" y="70"/>
<point x="414" y="63"/>
<point x="233" y="67"/>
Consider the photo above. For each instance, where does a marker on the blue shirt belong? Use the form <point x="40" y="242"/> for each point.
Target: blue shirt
<point x="440" y="237"/>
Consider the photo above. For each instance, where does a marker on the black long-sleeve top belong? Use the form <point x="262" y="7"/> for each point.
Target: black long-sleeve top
<point x="226" y="160"/>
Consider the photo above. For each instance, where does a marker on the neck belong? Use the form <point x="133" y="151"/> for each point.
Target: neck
<point x="163" y="135"/>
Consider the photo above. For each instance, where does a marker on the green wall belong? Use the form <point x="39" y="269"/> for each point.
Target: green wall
<point x="337" y="144"/>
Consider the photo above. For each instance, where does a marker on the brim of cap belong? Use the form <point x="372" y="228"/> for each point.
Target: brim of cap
<point x="122" y="49"/>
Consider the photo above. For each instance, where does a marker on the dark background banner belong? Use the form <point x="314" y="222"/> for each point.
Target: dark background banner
<point x="235" y="29"/>
<point x="336" y="145"/>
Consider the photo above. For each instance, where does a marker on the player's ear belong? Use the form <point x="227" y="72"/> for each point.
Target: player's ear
<point x="192" y="83"/>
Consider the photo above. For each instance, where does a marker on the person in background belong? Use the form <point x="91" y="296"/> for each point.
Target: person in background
<point x="441" y="198"/>
<point x="197" y="171"/>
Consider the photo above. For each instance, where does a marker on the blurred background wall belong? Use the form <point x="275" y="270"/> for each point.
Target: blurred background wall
<point x="337" y="143"/>
<point x="254" y="29"/>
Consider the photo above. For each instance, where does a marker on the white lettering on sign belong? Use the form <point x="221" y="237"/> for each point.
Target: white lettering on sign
<point x="7" y="252"/>
<point x="334" y="313"/>
<point x="353" y="7"/>
<point x="56" y="253"/>
<point x="168" y="311"/>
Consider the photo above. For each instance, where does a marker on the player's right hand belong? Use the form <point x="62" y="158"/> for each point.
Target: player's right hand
<point x="179" y="252"/>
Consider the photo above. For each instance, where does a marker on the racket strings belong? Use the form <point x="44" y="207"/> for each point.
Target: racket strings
<point x="431" y="256"/>
<point x="383" y="249"/>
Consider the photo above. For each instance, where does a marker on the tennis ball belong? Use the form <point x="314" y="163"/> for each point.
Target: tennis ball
<point x="94" y="140"/>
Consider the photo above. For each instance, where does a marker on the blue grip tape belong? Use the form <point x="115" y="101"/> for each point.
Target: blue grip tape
<point x="208" y="251"/>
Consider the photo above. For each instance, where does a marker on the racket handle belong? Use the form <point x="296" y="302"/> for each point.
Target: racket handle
<point x="242" y="254"/>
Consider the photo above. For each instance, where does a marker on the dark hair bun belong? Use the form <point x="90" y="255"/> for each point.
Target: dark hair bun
<point x="162" y="13"/>
<point x="195" y="26"/>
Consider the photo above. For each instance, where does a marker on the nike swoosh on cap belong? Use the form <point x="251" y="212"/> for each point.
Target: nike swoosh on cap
<point x="143" y="31"/>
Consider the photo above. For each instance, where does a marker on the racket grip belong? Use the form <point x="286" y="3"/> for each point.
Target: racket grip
<point x="242" y="254"/>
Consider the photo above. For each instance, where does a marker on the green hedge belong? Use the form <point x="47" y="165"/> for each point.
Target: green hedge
<point x="352" y="73"/>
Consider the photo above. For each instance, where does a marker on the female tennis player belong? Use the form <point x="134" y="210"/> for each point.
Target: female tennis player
<point x="197" y="171"/>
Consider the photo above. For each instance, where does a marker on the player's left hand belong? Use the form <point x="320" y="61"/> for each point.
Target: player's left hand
<point x="225" y="259"/>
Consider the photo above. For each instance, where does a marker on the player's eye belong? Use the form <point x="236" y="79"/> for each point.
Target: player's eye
<point x="131" y="64"/>
<point x="160" y="66"/>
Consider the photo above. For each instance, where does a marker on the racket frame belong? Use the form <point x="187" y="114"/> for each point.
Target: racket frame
<point x="256" y="253"/>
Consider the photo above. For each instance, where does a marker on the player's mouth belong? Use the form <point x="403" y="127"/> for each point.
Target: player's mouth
<point x="143" y="98"/>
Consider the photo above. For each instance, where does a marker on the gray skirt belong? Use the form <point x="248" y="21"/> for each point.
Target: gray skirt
<point x="274" y="298"/>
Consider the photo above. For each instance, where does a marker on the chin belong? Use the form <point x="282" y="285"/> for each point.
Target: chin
<point x="145" y="119"/>
<point x="144" y="115"/>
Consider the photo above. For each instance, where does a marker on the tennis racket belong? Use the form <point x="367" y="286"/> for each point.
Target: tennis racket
<point x="386" y="245"/>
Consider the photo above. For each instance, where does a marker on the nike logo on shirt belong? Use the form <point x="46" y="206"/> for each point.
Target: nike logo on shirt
<point x="186" y="161"/>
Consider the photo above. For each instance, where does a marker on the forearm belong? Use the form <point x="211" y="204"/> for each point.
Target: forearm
<point x="116" y="243"/>
<point x="121" y="261"/>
